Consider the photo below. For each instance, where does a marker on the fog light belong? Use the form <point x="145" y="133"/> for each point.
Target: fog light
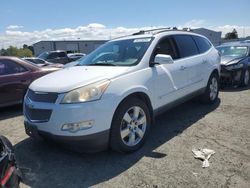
<point x="74" y="127"/>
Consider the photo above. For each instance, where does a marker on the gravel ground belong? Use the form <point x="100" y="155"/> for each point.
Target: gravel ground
<point x="165" y="160"/>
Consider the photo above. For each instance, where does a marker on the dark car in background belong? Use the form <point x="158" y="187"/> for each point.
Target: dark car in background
<point x="60" y="56"/>
<point x="235" y="63"/>
<point x="10" y="175"/>
<point x="42" y="63"/>
<point x="15" y="77"/>
<point x="75" y="56"/>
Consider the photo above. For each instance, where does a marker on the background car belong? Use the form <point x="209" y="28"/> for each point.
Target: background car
<point x="15" y="77"/>
<point x="235" y="63"/>
<point x="55" y="57"/>
<point x="9" y="172"/>
<point x="41" y="62"/>
<point x="76" y="56"/>
<point x="60" y="56"/>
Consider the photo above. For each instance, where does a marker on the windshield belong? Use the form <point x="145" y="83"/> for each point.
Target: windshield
<point x="118" y="53"/>
<point x="43" y="55"/>
<point x="237" y="51"/>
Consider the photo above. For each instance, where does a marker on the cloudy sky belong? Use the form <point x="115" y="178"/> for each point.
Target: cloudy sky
<point x="29" y="21"/>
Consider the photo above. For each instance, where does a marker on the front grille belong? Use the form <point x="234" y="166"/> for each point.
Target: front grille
<point x="42" y="96"/>
<point x="40" y="115"/>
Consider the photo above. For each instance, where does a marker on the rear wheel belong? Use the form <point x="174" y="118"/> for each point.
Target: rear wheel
<point x="245" y="78"/>
<point x="130" y="126"/>
<point x="212" y="90"/>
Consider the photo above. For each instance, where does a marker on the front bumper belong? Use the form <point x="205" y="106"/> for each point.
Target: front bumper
<point x="230" y="77"/>
<point x="52" y="116"/>
<point x="89" y="143"/>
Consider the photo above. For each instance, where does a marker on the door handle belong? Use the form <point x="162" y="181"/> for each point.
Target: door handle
<point x="183" y="68"/>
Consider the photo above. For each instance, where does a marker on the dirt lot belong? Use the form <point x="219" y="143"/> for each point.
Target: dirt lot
<point x="165" y="161"/>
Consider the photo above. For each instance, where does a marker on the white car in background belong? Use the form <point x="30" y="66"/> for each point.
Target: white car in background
<point x="112" y="97"/>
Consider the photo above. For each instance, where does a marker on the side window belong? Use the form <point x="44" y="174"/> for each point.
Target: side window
<point x="186" y="45"/>
<point x="202" y="43"/>
<point x="61" y="54"/>
<point x="10" y="67"/>
<point x="53" y="56"/>
<point x="166" y="46"/>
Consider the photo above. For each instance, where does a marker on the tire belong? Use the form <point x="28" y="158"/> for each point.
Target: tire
<point x="211" y="93"/>
<point x="7" y="143"/>
<point x="130" y="126"/>
<point x="245" y="78"/>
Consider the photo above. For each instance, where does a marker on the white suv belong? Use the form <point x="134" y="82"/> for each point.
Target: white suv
<point x="113" y="95"/>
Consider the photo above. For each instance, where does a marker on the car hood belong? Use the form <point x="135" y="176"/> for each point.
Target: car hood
<point x="74" y="77"/>
<point x="228" y="60"/>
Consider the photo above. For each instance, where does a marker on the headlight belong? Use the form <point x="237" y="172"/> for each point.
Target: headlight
<point x="235" y="66"/>
<point x="87" y="93"/>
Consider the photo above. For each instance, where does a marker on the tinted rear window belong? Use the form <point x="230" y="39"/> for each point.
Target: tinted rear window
<point x="202" y="44"/>
<point x="186" y="45"/>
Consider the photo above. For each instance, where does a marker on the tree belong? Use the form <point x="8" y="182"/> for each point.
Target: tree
<point x="25" y="46"/>
<point x="14" y="51"/>
<point x="232" y="35"/>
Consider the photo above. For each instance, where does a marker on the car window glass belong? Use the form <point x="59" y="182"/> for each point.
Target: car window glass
<point x="167" y="47"/>
<point x="61" y="54"/>
<point x="52" y="55"/>
<point x="39" y="61"/>
<point x="126" y="52"/>
<point x="10" y="67"/>
<point x="202" y="44"/>
<point x="186" y="45"/>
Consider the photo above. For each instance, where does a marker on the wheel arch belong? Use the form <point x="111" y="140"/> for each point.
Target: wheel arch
<point x="142" y="96"/>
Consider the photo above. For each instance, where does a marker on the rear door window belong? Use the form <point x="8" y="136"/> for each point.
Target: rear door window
<point x="186" y="45"/>
<point x="202" y="43"/>
<point x="9" y="67"/>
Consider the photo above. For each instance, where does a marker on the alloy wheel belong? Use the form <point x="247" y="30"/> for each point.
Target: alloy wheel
<point x="213" y="88"/>
<point x="133" y="126"/>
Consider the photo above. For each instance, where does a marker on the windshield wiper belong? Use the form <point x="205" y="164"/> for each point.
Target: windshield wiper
<point x="102" y="64"/>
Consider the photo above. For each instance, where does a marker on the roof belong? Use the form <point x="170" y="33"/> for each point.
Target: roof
<point x="158" y="32"/>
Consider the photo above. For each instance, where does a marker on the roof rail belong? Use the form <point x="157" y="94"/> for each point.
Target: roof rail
<point x="160" y="30"/>
<point x="150" y="30"/>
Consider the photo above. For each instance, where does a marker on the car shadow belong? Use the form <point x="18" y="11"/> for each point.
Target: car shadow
<point x="46" y="165"/>
<point x="235" y="88"/>
<point x="10" y="112"/>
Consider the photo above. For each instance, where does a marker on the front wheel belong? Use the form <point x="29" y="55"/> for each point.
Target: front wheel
<point x="212" y="90"/>
<point x="130" y="126"/>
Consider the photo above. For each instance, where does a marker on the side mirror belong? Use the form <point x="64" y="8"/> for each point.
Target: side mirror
<point x="163" y="59"/>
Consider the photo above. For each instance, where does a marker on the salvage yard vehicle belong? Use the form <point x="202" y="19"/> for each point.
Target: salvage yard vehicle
<point x="75" y="56"/>
<point x="15" y="77"/>
<point x="60" y="56"/>
<point x="235" y="63"/>
<point x="113" y="95"/>
<point x="9" y="172"/>
<point x="42" y="63"/>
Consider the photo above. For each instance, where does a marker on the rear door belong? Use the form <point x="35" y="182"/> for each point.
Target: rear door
<point x="13" y="82"/>
<point x="204" y="46"/>
<point x="190" y="59"/>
